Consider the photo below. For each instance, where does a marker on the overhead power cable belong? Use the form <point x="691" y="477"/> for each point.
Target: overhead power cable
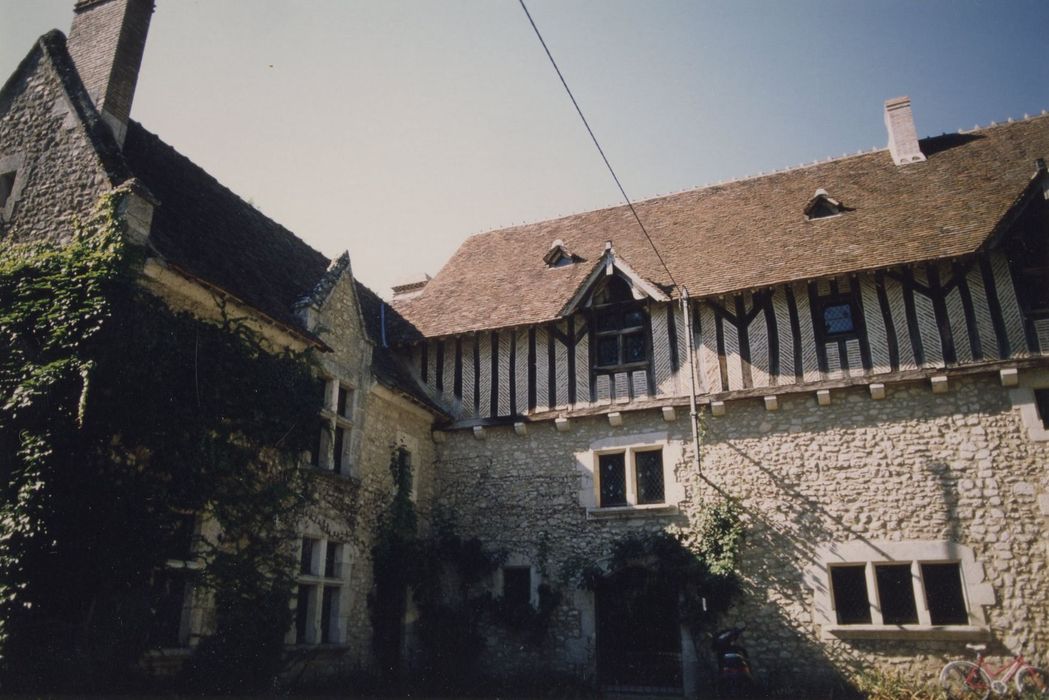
<point x="596" y="144"/>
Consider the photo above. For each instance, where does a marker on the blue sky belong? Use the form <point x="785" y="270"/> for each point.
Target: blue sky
<point x="396" y="128"/>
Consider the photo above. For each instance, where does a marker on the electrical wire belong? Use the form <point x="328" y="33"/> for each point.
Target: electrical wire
<point x="596" y="144"/>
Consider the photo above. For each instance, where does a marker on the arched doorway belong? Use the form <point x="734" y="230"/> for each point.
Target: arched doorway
<point x="638" y="632"/>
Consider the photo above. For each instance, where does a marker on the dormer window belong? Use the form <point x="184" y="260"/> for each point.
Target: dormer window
<point x="559" y="255"/>
<point x="822" y="206"/>
<point x="619" y="324"/>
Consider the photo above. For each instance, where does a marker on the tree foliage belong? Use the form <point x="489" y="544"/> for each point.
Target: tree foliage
<point x="117" y="417"/>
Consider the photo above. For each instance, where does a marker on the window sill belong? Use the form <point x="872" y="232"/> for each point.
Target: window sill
<point x="621" y="512"/>
<point x="907" y="632"/>
<point x="332" y="474"/>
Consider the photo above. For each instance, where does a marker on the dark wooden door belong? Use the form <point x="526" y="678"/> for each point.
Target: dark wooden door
<point x="638" y="634"/>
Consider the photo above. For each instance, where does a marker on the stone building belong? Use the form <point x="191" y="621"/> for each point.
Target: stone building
<point x="865" y="342"/>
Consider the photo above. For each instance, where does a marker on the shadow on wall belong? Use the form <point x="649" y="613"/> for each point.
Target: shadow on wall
<point x="788" y="519"/>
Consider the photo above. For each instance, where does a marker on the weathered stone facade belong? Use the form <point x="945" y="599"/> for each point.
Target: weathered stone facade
<point x="915" y="466"/>
<point x="58" y="172"/>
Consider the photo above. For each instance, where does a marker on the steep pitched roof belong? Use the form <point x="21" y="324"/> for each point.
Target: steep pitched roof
<point x="210" y="232"/>
<point x="750" y="233"/>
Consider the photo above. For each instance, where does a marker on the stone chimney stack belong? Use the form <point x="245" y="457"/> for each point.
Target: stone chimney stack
<point x="903" y="137"/>
<point x="106" y="41"/>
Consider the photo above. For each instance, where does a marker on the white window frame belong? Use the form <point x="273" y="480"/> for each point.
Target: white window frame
<point x="630" y="445"/>
<point x="317" y="582"/>
<point x="976" y="591"/>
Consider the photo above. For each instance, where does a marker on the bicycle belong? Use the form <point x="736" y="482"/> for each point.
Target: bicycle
<point x="965" y="679"/>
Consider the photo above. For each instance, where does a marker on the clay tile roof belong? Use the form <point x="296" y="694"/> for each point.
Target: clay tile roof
<point x="750" y="233"/>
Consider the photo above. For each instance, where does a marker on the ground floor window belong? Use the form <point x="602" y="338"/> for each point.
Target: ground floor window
<point x="906" y="586"/>
<point x="324" y="570"/>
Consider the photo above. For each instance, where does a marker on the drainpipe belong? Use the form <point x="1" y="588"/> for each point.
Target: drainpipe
<point x="693" y="412"/>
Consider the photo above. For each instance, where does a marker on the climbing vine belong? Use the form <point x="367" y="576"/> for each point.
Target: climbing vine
<point x="118" y="417"/>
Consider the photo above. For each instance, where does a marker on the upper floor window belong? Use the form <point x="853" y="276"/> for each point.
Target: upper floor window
<point x="620" y="325"/>
<point x="630" y="477"/>
<point x="332" y="447"/>
<point x="835" y="318"/>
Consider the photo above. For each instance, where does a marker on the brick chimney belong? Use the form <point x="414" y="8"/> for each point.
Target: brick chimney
<point x="903" y="137"/>
<point x="106" y="41"/>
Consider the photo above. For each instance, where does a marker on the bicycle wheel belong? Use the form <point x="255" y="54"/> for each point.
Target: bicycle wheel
<point x="1032" y="682"/>
<point x="965" y="680"/>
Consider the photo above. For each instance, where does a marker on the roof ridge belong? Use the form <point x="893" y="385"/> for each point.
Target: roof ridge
<point x="1009" y="121"/>
<point x="746" y="178"/>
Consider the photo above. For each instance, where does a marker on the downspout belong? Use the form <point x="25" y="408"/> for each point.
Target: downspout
<point x="382" y="321"/>
<point x="693" y="412"/>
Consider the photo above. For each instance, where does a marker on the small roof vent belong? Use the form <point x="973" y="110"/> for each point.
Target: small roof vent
<point x="559" y="255"/>
<point x="822" y="206"/>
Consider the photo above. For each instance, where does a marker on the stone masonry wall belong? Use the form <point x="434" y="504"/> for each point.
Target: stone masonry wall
<point x="915" y="466"/>
<point x="59" y="174"/>
<point x="349" y="504"/>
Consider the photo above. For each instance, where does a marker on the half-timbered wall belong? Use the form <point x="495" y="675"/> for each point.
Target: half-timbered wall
<point x="926" y="316"/>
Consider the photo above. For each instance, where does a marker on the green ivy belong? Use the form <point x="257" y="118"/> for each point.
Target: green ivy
<point x="117" y="416"/>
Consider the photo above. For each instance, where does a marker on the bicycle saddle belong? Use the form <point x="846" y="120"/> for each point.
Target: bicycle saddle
<point x="976" y="647"/>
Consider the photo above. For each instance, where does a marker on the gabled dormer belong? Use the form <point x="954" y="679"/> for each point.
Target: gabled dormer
<point x="560" y="256"/>
<point x="822" y="206"/>
<point x="596" y="283"/>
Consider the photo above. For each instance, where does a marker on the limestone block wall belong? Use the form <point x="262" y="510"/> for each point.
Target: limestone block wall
<point x="43" y="141"/>
<point x="913" y="467"/>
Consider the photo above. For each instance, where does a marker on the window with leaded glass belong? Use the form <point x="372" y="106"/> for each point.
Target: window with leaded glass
<point x="630" y="477"/>
<point x="620" y="326"/>
<point x="649" y="468"/>
<point x="838" y="320"/>
<point x="612" y="476"/>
